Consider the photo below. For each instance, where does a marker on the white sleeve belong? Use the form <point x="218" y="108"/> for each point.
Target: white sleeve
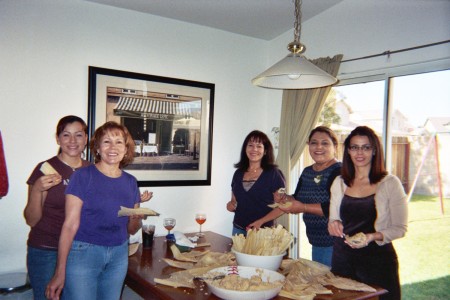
<point x="337" y="192"/>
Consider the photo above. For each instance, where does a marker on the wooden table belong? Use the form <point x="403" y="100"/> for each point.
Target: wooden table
<point x="146" y="264"/>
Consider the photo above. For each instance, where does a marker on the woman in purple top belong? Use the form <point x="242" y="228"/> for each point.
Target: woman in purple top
<point x="93" y="247"/>
<point x="254" y="182"/>
<point x="44" y="211"/>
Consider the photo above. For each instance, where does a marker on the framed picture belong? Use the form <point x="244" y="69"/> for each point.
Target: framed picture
<point x="170" y="120"/>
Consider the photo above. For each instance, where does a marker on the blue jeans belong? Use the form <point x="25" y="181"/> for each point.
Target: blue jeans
<point x="95" y="272"/>
<point x="322" y="255"/>
<point x="41" y="267"/>
<point x="237" y="231"/>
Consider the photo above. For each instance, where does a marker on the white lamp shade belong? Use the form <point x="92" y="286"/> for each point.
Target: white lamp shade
<point x="294" y="72"/>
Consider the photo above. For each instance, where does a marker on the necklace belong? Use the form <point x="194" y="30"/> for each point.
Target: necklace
<point x="318" y="178"/>
<point x="253" y="170"/>
<point x="73" y="168"/>
<point x="319" y="167"/>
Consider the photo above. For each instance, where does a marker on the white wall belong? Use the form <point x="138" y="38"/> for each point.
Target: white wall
<point x="359" y="28"/>
<point x="46" y="47"/>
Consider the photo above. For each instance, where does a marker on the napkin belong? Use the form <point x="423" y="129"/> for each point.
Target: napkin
<point x="182" y="240"/>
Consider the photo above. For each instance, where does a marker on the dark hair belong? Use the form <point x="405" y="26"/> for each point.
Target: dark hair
<point x="326" y="130"/>
<point x="377" y="170"/>
<point x="117" y="129"/>
<point x="64" y="121"/>
<point x="268" y="160"/>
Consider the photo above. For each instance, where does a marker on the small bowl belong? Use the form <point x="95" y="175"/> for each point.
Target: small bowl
<point x="269" y="262"/>
<point x="246" y="272"/>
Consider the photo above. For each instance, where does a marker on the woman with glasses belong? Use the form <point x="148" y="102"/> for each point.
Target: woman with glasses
<point x="312" y="195"/>
<point x="368" y="210"/>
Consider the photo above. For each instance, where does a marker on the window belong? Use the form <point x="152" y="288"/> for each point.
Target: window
<point x="413" y="123"/>
<point x="420" y="132"/>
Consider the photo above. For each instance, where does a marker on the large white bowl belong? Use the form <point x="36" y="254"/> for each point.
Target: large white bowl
<point x="271" y="262"/>
<point x="246" y="272"/>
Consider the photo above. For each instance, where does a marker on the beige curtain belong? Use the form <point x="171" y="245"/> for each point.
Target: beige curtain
<point x="300" y="111"/>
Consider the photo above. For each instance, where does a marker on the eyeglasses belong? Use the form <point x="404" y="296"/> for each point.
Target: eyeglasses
<point x="365" y="148"/>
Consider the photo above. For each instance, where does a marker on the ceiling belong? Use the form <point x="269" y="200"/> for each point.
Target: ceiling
<point x="263" y="19"/>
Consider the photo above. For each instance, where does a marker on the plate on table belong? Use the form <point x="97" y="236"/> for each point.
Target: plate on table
<point x="266" y="285"/>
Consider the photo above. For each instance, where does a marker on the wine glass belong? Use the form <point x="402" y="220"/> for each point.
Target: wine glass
<point x="169" y="224"/>
<point x="200" y="218"/>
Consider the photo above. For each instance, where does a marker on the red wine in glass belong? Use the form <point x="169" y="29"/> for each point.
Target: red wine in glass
<point x="200" y="218"/>
<point x="169" y="224"/>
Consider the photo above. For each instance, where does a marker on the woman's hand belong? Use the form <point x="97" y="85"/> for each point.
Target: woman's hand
<point x="44" y="183"/>
<point x="335" y="228"/>
<point x="54" y="287"/>
<point x="279" y="197"/>
<point x="146" y="196"/>
<point x="138" y="217"/>
<point x="255" y="225"/>
<point x="370" y="237"/>
<point x="295" y="207"/>
<point x="135" y="223"/>
<point x="37" y="193"/>
<point x="362" y="241"/>
<point x="231" y="205"/>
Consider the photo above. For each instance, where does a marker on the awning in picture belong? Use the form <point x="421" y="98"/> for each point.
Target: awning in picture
<point x="132" y="107"/>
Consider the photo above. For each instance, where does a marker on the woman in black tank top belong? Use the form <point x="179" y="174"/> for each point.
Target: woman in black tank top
<point x="362" y="203"/>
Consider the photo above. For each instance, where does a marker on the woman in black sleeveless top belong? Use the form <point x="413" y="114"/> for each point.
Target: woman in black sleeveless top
<point x="366" y="200"/>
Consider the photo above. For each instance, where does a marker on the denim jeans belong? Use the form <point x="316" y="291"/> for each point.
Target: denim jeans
<point x="95" y="272"/>
<point x="322" y="255"/>
<point x="41" y="267"/>
<point x="237" y="231"/>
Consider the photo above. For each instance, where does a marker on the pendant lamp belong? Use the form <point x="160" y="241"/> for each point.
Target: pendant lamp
<point x="294" y="71"/>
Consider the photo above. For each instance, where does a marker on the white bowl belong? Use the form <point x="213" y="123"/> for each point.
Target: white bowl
<point x="271" y="262"/>
<point x="246" y="272"/>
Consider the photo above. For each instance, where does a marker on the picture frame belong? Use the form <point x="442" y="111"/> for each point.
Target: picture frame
<point x="170" y="120"/>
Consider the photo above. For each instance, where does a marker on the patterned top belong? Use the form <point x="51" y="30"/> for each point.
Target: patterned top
<point x="314" y="187"/>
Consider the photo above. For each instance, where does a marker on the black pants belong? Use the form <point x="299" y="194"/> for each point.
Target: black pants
<point x="373" y="265"/>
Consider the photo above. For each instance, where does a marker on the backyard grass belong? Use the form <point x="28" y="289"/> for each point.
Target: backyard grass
<point x="424" y="253"/>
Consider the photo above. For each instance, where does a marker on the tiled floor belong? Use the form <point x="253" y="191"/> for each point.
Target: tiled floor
<point x="28" y="295"/>
<point x="128" y="294"/>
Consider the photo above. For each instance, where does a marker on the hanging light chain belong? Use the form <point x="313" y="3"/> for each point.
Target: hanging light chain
<point x="295" y="46"/>
<point x="298" y="20"/>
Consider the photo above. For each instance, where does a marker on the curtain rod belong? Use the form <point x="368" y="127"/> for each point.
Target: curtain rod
<point x="388" y="52"/>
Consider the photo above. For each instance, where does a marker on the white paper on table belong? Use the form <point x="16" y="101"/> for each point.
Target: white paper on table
<point x="182" y="240"/>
